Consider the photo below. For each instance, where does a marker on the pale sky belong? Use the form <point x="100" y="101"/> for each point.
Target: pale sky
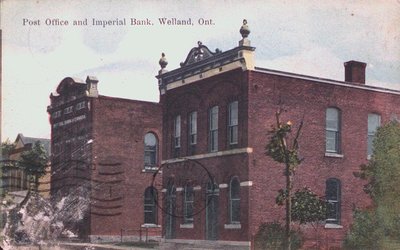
<point x="306" y="37"/>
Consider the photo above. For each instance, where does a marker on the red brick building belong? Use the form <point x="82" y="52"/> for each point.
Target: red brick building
<point x="106" y="150"/>
<point x="218" y="184"/>
<point x="208" y="136"/>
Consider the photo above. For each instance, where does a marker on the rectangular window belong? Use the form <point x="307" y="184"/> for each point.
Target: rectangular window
<point x="57" y="114"/>
<point x="332" y="194"/>
<point x="213" y="129"/>
<point x="193" y="128"/>
<point x="188" y="204"/>
<point x="374" y="121"/>
<point x="150" y="209"/>
<point x="233" y="122"/>
<point x="234" y="200"/>
<point x="177" y="132"/>
<point x="332" y="130"/>
<point x="68" y="110"/>
<point x="80" y="105"/>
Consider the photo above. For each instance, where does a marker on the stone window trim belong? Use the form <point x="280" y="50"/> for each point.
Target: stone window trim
<point x="233" y="226"/>
<point x="334" y="155"/>
<point x="187" y="225"/>
<point x="150" y="225"/>
<point x="332" y="226"/>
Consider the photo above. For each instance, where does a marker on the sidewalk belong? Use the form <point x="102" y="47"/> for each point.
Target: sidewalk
<point x="79" y="246"/>
<point x="90" y="246"/>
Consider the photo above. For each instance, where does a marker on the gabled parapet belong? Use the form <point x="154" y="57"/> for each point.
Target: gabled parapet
<point x="202" y="63"/>
<point x="72" y="88"/>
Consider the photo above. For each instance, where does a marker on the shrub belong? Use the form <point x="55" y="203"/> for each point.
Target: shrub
<point x="272" y="236"/>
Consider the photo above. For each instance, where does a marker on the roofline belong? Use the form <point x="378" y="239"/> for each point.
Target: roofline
<point x="20" y="135"/>
<point x="125" y="99"/>
<point x="327" y="81"/>
<point x="196" y="66"/>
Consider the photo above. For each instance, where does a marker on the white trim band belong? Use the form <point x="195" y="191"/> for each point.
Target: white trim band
<point x="246" y="184"/>
<point x="233" y="226"/>
<point x="335" y="155"/>
<point x="333" y="226"/>
<point x="189" y="225"/>
<point x="208" y="155"/>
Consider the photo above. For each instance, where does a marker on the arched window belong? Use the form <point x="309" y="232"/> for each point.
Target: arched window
<point x="188" y="202"/>
<point x="150" y="151"/>
<point x="332" y="130"/>
<point x="332" y="194"/>
<point x="234" y="200"/>
<point x="150" y="208"/>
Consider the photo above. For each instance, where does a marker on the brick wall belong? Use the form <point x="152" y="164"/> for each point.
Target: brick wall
<point x="260" y="94"/>
<point x="118" y="176"/>
<point x="201" y="96"/>
<point x="308" y="100"/>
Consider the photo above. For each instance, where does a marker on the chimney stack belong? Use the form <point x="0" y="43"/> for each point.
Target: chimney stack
<point x="91" y="82"/>
<point x="354" y="72"/>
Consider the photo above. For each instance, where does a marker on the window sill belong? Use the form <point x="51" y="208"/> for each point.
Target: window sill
<point x="188" y="225"/>
<point x="335" y="155"/>
<point x="333" y="226"/>
<point x="148" y="225"/>
<point x="233" y="226"/>
<point x="149" y="169"/>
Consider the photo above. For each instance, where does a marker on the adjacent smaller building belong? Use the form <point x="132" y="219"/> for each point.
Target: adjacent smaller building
<point x="15" y="183"/>
<point x="14" y="178"/>
<point x="108" y="149"/>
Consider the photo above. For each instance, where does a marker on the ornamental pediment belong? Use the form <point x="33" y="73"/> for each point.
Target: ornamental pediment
<point x="68" y="84"/>
<point x="199" y="53"/>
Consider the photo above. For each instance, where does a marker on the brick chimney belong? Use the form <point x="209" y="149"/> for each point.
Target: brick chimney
<point x="354" y="72"/>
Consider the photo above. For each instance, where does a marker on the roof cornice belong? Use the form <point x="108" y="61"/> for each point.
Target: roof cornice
<point x="327" y="81"/>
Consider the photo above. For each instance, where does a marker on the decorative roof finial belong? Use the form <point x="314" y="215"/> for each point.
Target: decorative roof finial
<point x="244" y="30"/>
<point x="199" y="53"/>
<point x="163" y="61"/>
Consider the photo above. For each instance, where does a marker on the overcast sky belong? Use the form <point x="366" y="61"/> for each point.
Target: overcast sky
<point x="307" y="37"/>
